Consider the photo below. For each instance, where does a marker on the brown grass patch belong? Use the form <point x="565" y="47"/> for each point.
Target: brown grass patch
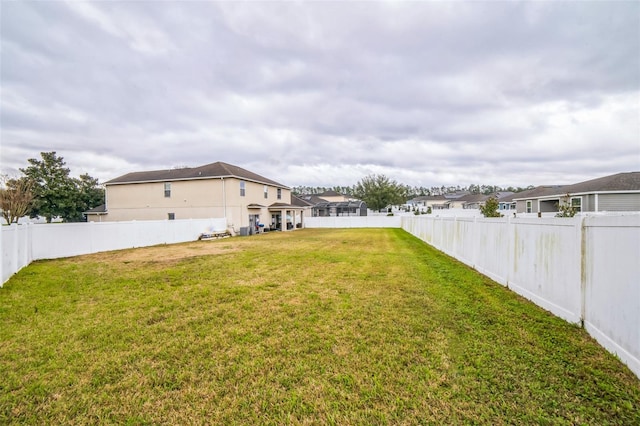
<point x="163" y="253"/>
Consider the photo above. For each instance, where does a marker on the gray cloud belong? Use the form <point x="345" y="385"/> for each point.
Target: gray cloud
<point x="324" y="93"/>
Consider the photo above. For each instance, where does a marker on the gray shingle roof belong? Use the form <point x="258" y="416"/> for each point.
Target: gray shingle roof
<point x="213" y="170"/>
<point x="102" y="208"/>
<point x="330" y="193"/>
<point x="538" y="191"/>
<point x="473" y="198"/>
<point x="629" y="181"/>
<point x="299" y="202"/>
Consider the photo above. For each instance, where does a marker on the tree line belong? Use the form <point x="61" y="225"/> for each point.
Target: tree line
<point x="379" y="192"/>
<point x="46" y="189"/>
<point x="413" y="191"/>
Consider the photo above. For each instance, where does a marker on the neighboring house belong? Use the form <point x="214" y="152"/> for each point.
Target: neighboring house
<point x="305" y="206"/>
<point x="436" y="202"/>
<point x="506" y="202"/>
<point x="322" y="207"/>
<point x="475" y="201"/>
<point x="471" y="201"/>
<point x="96" y="213"/>
<point x="334" y="196"/>
<point x="456" y="199"/>
<point x="614" y="193"/>
<point x="340" y="208"/>
<point x="246" y="199"/>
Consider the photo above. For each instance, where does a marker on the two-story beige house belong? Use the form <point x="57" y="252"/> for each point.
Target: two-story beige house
<point x="248" y="201"/>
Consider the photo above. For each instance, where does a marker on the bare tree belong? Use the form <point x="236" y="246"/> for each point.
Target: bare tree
<point x="16" y="196"/>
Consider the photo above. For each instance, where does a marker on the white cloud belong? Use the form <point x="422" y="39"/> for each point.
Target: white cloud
<point x="140" y="34"/>
<point x="325" y="93"/>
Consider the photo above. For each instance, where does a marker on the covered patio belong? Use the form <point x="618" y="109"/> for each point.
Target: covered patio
<point x="286" y="217"/>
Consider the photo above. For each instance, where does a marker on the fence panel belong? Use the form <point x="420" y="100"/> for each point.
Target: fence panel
<point x="353" y="222"/>
<point x="612" y="285"/>
<point x="21" y="244"/>
<point x="580" y="269"/>
<point x="545" y="265"/>
<point x="490" y="243"/>
<point x="16" y="249"/>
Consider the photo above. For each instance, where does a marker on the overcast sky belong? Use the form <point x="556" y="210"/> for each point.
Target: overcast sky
<point x="323" y="94"/>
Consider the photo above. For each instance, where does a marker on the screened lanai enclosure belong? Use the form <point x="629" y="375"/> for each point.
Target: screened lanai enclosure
<point x="340" y="208"/>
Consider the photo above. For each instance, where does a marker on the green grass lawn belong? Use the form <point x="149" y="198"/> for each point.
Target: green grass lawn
<point x="307" y="327"/>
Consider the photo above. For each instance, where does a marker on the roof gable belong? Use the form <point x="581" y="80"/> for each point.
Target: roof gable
<point x="208" y="171"/>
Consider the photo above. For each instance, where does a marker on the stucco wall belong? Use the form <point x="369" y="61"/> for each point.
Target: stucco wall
<point x="192" y="199"/>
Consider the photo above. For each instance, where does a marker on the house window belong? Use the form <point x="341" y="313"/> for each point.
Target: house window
<point x="279" y="194"/>
<point x="167" y="190"/>
<point x="172" y="216"/>
<point x="529" y="206"/>
<point x="242" y="188"/>
<point x="576" y="204"/>
<point x="266" y="191"/>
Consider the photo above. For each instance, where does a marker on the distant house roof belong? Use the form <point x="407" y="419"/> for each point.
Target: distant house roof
<point x="430" y="198"/>
<point x="331" y="193"/>
<point x="456" y="195"/>
<point x="312" y="199"/>
<point x="300" y="202"/>
<point x="502" y="194"/>
<point x="208" y="171"/>
<point x="538" y="191"/>
<point x="473" y="198"/>
<point x="629" y="181"/>
<point x="102" y="208"/>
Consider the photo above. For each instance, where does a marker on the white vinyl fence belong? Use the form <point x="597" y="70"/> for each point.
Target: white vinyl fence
<point x="22" y="244"/>
<point x="583" y="269"/>
<point x="353" y="222"/>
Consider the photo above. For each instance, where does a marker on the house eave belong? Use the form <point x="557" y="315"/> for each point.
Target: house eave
<point x="573" y="194"/>
<point x="198" y="178"/>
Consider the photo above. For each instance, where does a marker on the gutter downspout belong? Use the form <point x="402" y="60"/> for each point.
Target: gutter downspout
<point x="224" y="199"/>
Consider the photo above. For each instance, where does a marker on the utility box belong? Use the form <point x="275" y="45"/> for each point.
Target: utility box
<point x="244" y="231"/>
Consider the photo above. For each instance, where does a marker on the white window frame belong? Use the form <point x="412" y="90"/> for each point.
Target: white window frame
<point x="266" y="191"/>
<point x="577" y="208"/>
<point x="243" y="189"/>
<point x="279" y="193"/>
<point x="167" y="190"/>
<point x="529" y="206"/>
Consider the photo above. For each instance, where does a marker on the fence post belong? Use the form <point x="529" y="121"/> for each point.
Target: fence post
<point x="15" y="264"/>
<point x="511" y="246"/>
<point x="582" y="236"/>
<point x="476" y="247"/>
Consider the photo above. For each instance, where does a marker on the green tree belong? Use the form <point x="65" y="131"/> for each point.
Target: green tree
<point x="378" y="191"/>
<point x="56" y="193"/>
<point x="16" y="197"/>
<point x="490" y="208"/>
<point x="566" y="208"/>
<point x="90" y="194"/>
